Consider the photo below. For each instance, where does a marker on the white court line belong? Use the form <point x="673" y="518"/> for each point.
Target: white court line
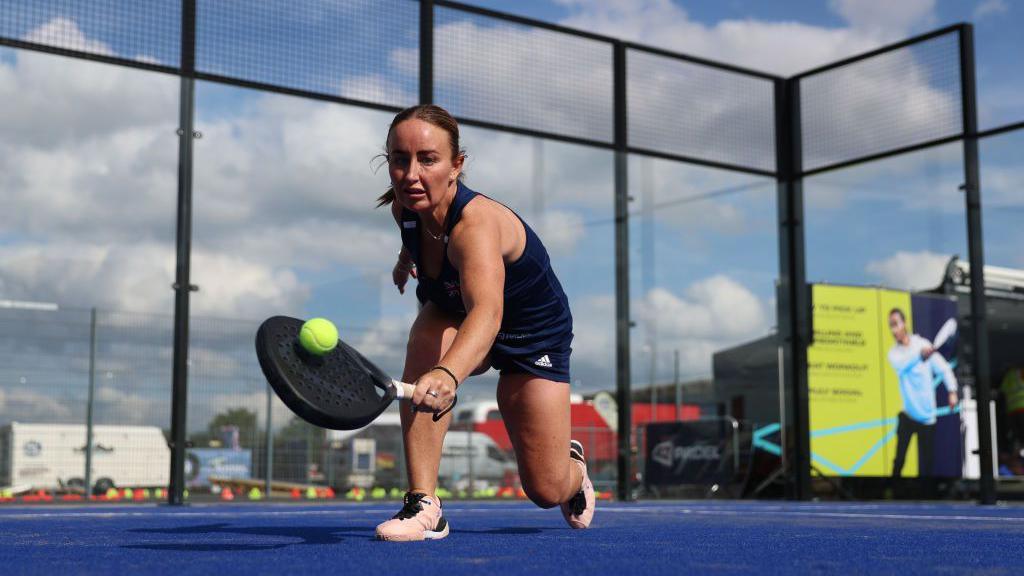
<point x="205" y="514"/>
<point x="810" y="514"/>
<point x="661" y="510"/>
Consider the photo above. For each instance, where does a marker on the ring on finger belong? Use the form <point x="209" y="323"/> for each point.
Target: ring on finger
<point x="432" y="393"/>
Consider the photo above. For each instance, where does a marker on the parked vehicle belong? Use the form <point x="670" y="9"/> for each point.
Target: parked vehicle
<point x="52" y="457"/>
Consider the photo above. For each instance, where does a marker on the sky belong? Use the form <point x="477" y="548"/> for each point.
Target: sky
<point x="283" y="186"/>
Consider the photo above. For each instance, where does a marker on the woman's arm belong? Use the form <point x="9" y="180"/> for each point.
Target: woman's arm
<point x="475" y="251"/>
<point x="405" y="266"/>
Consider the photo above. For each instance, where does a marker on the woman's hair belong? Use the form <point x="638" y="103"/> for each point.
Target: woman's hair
<point x="431" y="114"/>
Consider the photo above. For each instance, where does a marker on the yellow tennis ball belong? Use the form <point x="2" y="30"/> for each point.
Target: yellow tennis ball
<point x="318" y="336"/>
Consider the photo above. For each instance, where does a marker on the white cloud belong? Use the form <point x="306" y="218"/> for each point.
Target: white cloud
<point x="880" y="104"/>
<point x="88" y="173"/>
<point x="241" y="288"/>
<point x="375" y="88"/>
<point x="26" y="405"/>
<point x="779" y="47"/>
<point x="570" y="97"/>
<point x="64" y="33"/>
<point x="696" y="200"/>
<point x="709" y="315"/>
<point x="121" y="406"/>
<point x="1002" y="186"/>
<point x="384" y="342"/>
<point x="989" y="8"/>
<point x="594" y="341"/>
<point x="884" y="15"/>
<point x="139" y="277"/>
<point x="50" y="99"/>
<point x="717" y="307"/>
<point x="532" y="175"/>
<point x="726" y="117"/>
<point x="910" y="270"/>
<point x="560" y="231"/>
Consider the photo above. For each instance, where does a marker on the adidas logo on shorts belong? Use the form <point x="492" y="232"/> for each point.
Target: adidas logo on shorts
<point x="543" y="361"/>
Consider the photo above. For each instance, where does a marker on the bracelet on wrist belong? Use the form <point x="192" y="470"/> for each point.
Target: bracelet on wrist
<point x="448" y="372"/>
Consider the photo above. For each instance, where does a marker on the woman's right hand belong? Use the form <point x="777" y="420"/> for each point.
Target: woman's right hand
<point x="401" y="272"/>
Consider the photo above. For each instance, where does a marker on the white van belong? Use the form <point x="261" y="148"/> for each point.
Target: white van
<point x="51" y="456"/>
<point x="473" y="455"/>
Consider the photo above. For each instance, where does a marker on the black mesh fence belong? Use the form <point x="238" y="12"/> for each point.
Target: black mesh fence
<point x="61" y="365"/>
<point x="365" y="50"/>
<point x="503" y="72"/>
<point x="144" y="30"/>
<point x="893" y="100"/>
<point x="700" y="112"/>
<point x="521" y="76"/>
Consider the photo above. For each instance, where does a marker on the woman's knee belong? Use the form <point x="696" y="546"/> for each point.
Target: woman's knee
<point x="425" y="345"/>
<point x="546" y="493"/>
<point x="429" y="338"/>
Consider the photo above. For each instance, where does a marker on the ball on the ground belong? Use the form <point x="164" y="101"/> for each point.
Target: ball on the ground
<point x="318" y="336"/>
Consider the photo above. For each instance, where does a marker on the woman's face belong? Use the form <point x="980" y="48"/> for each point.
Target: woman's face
<point x="897" y="326"/>
<point x="420" y="164"/>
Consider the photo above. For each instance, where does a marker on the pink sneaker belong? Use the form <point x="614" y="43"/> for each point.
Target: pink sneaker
<point x="419" y="519"/>
<point x="579" y="510"/>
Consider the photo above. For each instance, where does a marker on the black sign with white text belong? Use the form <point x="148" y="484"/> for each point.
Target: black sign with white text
<point x="695" y="452"/>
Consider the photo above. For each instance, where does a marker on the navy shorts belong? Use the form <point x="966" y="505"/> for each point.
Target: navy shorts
<point x="552" y="365"/>
<point x="545" y="356"/>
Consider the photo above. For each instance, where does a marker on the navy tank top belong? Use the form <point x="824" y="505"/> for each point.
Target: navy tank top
<point x="536" y="313"/>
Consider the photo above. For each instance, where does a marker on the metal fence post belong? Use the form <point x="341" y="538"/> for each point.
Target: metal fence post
<point x="622" y="324"/>
<point x="182" y="284"/>
<point x="793" y="296"/>
<point x="89" y="404"/>
<point x="679" y="385"/>
<point x="269" y="435"/>
<point x="469" y="455"/>
<point x="975" y="249"/>
<point x="426" y="51"/>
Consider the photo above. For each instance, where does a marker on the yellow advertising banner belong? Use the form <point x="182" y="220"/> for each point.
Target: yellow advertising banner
<point x="853" y="395"/>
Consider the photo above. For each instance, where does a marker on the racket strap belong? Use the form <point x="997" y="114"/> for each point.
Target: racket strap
<point x="439" y="415"/>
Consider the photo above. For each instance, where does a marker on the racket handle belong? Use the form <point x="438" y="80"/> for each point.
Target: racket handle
<point x="403" y="390"/>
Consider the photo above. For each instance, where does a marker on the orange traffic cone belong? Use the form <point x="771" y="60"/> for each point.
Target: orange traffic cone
<point x="227" y="494"/>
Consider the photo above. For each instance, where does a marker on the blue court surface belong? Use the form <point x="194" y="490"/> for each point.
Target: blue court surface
<point x="651" y="537"/>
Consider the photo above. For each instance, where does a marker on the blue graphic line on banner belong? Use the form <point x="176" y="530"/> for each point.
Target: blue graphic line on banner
<point x="768" y="446"/>
<point x="769" y="429"/>
<point x="772" y="448"/>
<point x="853" y="427"/>
<point x="878" y="446"/>
<point x="823" y="462"/>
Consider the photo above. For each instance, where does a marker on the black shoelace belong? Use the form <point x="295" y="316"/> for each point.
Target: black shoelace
<point x="578" y="503"/>
<point x="411" y="506"/>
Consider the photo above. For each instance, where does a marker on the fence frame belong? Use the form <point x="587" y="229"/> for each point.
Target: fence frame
<point x="793" y="302"/>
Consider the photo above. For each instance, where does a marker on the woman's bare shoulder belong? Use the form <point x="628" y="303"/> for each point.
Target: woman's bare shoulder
<point x="483" y="210"/>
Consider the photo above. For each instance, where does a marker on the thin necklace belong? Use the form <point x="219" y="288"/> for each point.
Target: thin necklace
<point x="432" y="235"/>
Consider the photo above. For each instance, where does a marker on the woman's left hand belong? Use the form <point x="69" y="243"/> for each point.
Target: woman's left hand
<point x="434" y="392"/>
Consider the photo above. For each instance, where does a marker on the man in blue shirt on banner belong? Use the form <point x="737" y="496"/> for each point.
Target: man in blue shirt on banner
<point x="917" y="363"/>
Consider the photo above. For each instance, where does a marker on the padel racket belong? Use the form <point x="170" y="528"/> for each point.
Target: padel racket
<point x="340" y="390"/>
<point x="948" y="329"/>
